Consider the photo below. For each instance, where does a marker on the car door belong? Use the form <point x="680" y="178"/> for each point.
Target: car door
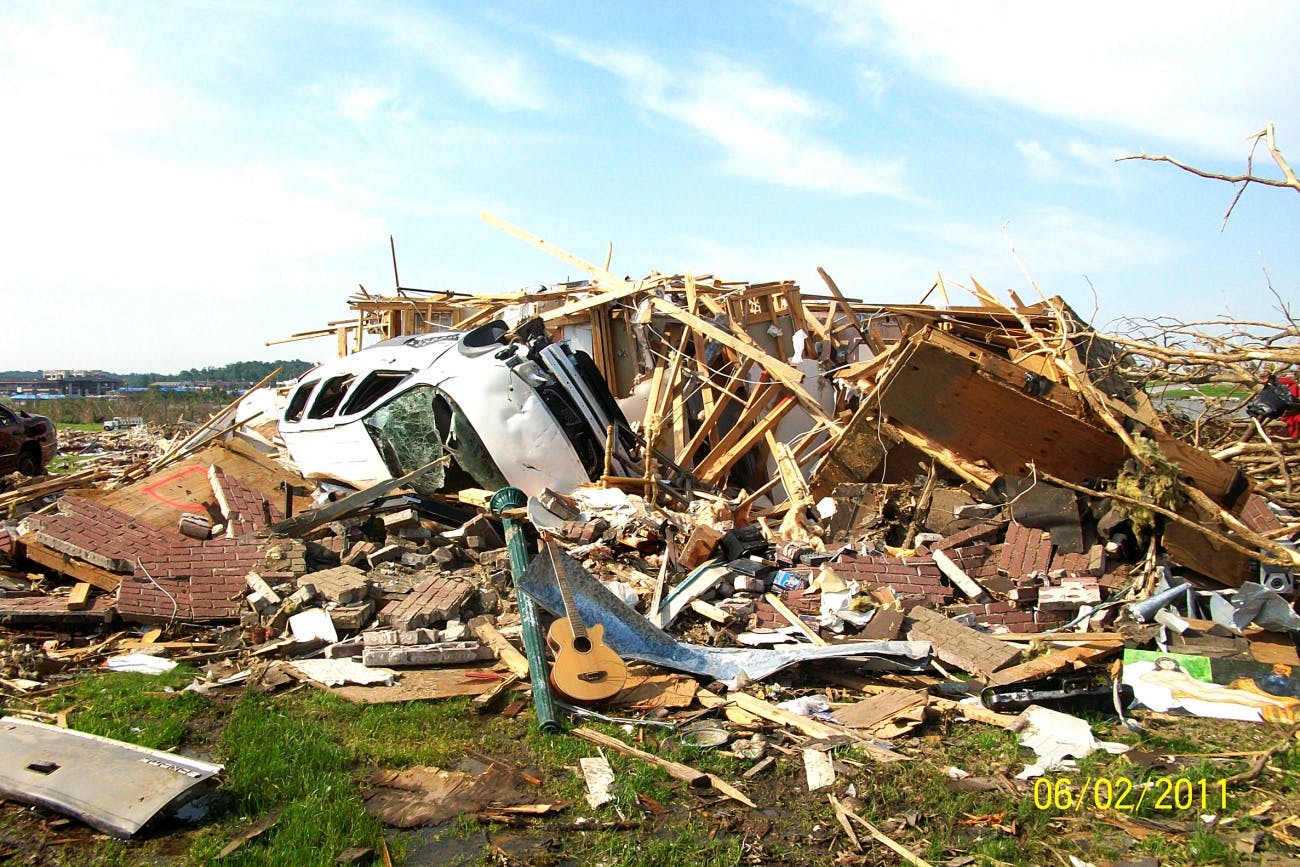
<point x="10" y="440"/>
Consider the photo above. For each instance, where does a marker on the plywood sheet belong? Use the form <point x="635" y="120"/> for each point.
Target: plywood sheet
<point x="947" y="398"/>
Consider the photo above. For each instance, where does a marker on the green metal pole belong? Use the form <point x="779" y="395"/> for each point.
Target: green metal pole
<point x="534" y="646"/>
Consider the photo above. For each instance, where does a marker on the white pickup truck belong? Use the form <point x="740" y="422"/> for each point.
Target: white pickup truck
<point x="119" y="423"/>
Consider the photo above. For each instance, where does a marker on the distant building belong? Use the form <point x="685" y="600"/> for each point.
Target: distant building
<point x="65" y="383"/>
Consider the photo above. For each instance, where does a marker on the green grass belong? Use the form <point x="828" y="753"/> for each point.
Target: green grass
<point x="309" y="753"/>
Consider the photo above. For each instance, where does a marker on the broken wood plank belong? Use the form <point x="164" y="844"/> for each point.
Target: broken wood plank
<point x="79" y="598"/>
<point x="1052" y="663"/>
<point x="879" y="708"/>
<point x="843" y="818"/>
<point x="795" y="620"/>
<point x="811" y="727"/>
<point x="486" y="632"/>
<point x="711" y="611"/>
<point x="79" y="569"/>
<point x="959" y="645"/>
<point x="676" y="770"/>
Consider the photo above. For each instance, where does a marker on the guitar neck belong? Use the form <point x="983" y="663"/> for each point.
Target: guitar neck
<point x="566" y="594"/>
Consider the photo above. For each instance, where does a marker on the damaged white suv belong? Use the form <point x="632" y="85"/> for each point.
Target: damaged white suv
<point x="530" y="414"/>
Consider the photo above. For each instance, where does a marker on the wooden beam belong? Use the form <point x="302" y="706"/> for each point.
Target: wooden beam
<point x="79" y="598"/>
<point x="720" y="461"/>
<point x="66" y="565"/>
<point x="676" y="770"/>
<point x="552" y="250"/>
<point x="786" y="375"/>
<point x="795" y="620"/>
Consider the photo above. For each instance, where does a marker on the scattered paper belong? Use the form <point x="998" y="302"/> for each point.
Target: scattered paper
<point x="1056" y="738"/>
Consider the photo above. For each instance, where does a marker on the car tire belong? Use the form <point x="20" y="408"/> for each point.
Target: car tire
<point x="29" y="462"/>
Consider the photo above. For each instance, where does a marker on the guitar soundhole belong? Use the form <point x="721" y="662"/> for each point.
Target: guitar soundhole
<point x="582" y="645"/>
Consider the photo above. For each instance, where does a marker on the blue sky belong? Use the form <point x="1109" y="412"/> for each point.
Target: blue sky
<point x="185" y="181"/>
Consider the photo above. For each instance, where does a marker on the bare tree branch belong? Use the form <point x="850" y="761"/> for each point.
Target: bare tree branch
<point x="1289" y="179"/>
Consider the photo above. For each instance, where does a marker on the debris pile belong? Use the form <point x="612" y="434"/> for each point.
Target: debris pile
<point x="936" y="509"/>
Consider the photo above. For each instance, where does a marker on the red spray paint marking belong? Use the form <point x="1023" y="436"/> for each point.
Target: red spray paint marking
<point x="152" y="490"/>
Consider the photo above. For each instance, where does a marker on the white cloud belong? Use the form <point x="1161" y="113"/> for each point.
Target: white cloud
<point x="1039" y="161"/>
<point x="874" y="274"/>
<point x="765" y="129"/>
<point x="485" y="69"/>
<point x="1055" y="245"/>
<point x="1199" y="73"/>
<point x="872" y="83"/>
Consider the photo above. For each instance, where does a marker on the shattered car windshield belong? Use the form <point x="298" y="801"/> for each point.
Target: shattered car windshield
<point x="424" y="425"/>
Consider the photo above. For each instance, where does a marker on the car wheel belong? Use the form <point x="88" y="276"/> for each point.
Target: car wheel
<point x="29" y="462"/>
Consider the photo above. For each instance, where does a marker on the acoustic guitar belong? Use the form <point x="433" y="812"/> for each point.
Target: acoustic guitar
<point x="585" y="669"/>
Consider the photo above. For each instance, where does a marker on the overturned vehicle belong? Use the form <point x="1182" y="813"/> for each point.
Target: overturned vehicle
<point x="492" y="407"/>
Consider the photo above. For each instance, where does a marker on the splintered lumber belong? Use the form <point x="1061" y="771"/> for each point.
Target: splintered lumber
<point x="790" y="377"/>
<point x="676" y="770"/>
<point x="720" y="461"/>
<point x="63" y="563"/>
<point x="808" y="726"/>
<point x="487" y="633"/>
<point x="966" y="648"/>
<point x="880" y="836"/>
<point x="1052" y="663"/>
<point x="795" y="620"/>
<point x="180" y="448"/>
<point x="51" y="485"/>
<point x="552" y="249"/>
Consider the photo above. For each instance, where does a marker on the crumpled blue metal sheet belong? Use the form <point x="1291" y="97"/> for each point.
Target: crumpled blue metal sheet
<point x="632" y="636"/>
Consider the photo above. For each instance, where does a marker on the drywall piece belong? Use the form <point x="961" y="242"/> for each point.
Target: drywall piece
<point x="632" y="636"/>
<point x="1056" y="737"/>
<point x="819" y="769"/>
<point x="599" y="776"/>
<point x="112" y="786"/>
<point x="340" y="672"/>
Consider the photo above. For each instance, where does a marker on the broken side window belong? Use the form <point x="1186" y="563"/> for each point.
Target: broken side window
<point x="299" y="401"/>
<point x="471" y="465"/>
<point x="375" y="386"/>
<point x="331" y="395"/>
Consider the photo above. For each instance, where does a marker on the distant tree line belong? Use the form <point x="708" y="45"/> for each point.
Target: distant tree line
<point x="237" y="372"/>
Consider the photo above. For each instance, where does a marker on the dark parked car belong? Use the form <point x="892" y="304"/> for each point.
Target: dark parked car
<point x="27" y="442"/>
